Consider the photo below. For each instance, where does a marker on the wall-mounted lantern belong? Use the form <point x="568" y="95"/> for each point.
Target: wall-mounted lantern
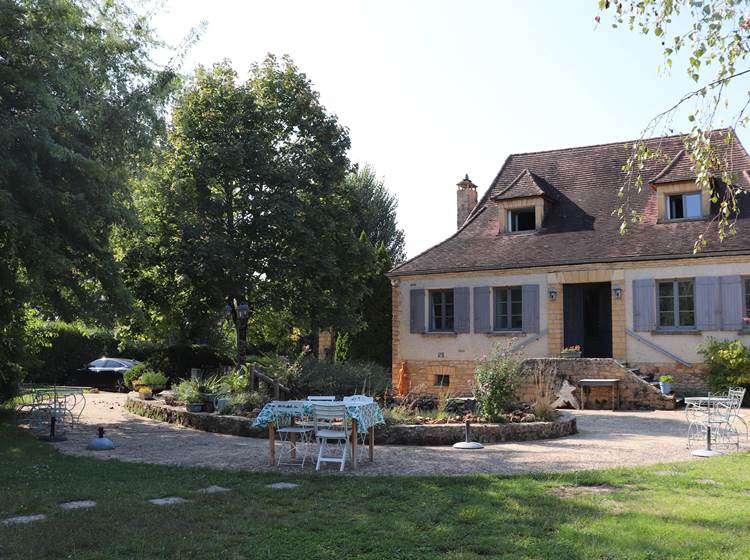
<point x="552" y="292"/>
<point x="617" y="290"/>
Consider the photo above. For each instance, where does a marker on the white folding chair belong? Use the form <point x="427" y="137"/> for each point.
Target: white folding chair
<point x="360" y="399"/>
<point x="288" y="434"/>
<point x="332" y="431"/>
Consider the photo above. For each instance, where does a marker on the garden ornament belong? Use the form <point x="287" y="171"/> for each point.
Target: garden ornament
<point x="467" y="443"/>
<point x="101" y="443"/>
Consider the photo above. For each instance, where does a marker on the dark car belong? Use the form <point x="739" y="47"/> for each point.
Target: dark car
<point x="106" y="373"/>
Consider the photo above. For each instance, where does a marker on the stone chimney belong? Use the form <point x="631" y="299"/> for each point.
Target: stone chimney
<point x="467" y="200"/>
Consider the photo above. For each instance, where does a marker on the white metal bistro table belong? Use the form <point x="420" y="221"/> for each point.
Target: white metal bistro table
<point x="704" y="403"/>
<point x="364" y="416"/>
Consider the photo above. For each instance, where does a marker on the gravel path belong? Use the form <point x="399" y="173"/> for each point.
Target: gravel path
<point x="606" y="439"/>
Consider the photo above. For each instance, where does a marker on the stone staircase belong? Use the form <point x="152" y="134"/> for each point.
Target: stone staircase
<point x="635" y="392"/>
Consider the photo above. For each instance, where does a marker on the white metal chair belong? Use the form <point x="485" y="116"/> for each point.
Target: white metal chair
<point x="332" y="431"/>
<point x="715" y="416"/>
<point x="738" y="395"/>
<point x="360" y="399"/>
<point x="284" y="422"/>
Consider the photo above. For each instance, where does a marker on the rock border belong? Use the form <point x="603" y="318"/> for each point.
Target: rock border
<point x="398" y="434"/>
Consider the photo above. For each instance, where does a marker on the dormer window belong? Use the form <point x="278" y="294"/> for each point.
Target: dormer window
<point x="684" y="205"/>
<point x="523" y="219"/>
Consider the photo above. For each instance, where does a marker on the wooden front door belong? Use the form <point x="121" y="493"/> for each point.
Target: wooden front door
<point x="587" y="318"/>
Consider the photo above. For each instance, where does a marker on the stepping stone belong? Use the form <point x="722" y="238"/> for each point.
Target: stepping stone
<point x="171" y="500"/>
<point x="666" y="473"/>
<point x="282" y="485"/>
<point x="78" y="504"/>
<point x="23" y="519"/>
<point x="213" y="489"/>
<point x="708" y="482"/>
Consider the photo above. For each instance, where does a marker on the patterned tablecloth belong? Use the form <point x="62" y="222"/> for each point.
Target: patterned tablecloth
<point x="367" y="415"/>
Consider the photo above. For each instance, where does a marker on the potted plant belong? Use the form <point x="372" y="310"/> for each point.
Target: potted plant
<point x="154" y="380"/>
<point x="665" y="384"/>
<point x="209" y="389"/>
<point x="145" y="393"/>
<point x="571" y="352"/>
<point x="187" y="391"/>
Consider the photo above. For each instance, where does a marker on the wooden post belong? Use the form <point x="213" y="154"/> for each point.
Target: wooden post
<point x="252" y="378"/>
<point x="354" y="444"/>
<point x="272" y="442"/>
<point x="275" y="389"/>
<point x="371" y="441"/>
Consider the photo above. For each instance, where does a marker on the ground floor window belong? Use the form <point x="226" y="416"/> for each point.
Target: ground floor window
<point x="676" y="304"/>
<point x="747" y="300"/>
<point x="508" y="309"/>
<point x="441" y="310"/>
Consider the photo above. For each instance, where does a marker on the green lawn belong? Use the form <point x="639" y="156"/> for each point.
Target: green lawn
<point x="649" y="516"/>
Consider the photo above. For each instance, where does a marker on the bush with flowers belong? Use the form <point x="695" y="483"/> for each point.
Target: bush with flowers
<point x="496" y="380"/>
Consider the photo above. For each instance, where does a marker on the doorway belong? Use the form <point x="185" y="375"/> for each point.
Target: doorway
<point x="587" y="318"/>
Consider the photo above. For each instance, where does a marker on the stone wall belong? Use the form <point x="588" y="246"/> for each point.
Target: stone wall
<point x="634" y="392"/>
<point x="688" y="380"/>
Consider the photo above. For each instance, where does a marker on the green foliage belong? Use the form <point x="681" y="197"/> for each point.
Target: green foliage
<point x="188" y="391"/>
<point x="247" y="202"/>
<point x="65" y="347"/>
<point x="342" y="349"/>
<point x="153" y="378"/>
<point x="666" y="379"/>
<point x="236" y="381"/>
<point x="177" y="361"/>
<point x="495" y="382"/>
<point x="134" y="374"/>
<point x="341" y="379"/>
<point x="728" y="363"/>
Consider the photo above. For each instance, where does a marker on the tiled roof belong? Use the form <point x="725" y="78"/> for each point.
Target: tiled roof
<point x="581" y="226"/>
<point x="525" y="185"/>
<point x="679" y="169"/>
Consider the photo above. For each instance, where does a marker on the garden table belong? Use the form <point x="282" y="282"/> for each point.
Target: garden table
<point x="704" y="404"/>
<point x="364" y="416"/>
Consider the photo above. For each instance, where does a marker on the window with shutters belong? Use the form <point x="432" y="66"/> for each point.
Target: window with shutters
<point x="746" y="283"/>
<point x="508" y="309"/>
<point x="676" y="300"/>
<point x="441" y="310"/>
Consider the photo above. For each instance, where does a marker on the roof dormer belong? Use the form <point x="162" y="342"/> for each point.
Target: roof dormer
<point x="524" y="203"/>
<point x="678" y="195"/>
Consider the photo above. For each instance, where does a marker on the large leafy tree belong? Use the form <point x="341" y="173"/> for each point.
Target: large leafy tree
<point x="710" y="41"/>
<point x="80" y="104"/>
<point x="248" y="203"/>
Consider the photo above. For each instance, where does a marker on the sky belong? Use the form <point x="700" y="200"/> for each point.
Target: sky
<point x="433" y="90"/>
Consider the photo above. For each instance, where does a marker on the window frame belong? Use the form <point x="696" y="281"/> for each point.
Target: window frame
<point x="509" y="218"/>
<point x="509" y="308"/>
<point x="745" y="298"/>
<point x="668" y="206"/>
<point x="442" y="377"/>
<point x="443" y="310"/>
<point x="676" y="311"/>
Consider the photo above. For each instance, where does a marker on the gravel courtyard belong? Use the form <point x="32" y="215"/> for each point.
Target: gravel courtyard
<point x="605" y="439"/>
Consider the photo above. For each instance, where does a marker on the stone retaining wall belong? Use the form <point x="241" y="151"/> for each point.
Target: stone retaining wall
<point x="401" y="434"/>
<point x="635" y="393"/>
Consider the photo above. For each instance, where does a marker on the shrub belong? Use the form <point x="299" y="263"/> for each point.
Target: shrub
<point x="133" y="374"/>
<point x="340" y="379"/>
<point x="495" y="382"/>
<point x="153" y="378"/>
<point x="728" y="363"/>
<point x="544" y="377"/>
<point x="187" y="391"/>
<point x="177" y="361"/>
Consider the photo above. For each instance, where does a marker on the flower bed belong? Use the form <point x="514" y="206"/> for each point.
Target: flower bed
<point x="391" y="434"/>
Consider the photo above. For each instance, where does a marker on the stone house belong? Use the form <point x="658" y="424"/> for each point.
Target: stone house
<point x="540" y="260"/>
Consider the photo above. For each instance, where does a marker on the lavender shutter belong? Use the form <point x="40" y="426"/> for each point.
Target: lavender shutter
<point x="707" y="303"/>
<point x="416" y="311"/>
<point x="482" y="322"/>
<point x="530" y="305"/>
<point x="732" y="309"/>
<point x="644" y="304"/>
<point x="461" y="310"/>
